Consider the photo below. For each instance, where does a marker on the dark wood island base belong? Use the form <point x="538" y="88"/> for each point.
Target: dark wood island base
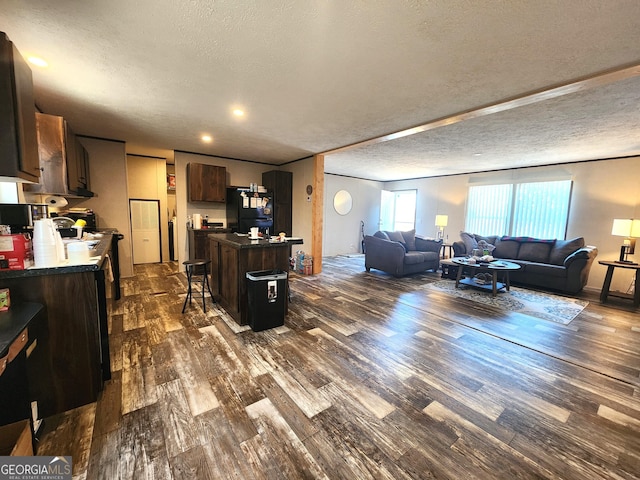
<point x="232" y="256"/>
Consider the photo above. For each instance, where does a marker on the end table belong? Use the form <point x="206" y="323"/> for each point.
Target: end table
<point x="611" y="266"/>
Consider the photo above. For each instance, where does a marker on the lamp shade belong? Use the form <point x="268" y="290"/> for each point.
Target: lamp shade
<point x="441" y="220"/>
<point x="626" y="227"/>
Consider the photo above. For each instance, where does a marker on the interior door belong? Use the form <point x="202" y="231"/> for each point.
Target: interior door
<point x="145" y="231"/>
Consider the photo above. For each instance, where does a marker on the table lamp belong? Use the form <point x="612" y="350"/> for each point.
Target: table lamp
<point x="441" y="222"/>
<point x="630" y="229"/>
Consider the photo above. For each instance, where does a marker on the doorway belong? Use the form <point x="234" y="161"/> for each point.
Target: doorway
<point x="145" y="231"/>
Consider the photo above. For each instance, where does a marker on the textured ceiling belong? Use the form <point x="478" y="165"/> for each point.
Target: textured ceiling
<point x="314" y="76"/>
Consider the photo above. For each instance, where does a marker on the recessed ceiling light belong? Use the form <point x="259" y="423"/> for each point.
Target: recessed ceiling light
<point x="477" y="154"/>
<point x="238" y="112"/>
<point x="206" y="138"/>
<point x="37" y="61"/>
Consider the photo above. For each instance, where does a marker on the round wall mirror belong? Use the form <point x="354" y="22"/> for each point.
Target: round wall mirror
<point x="342" y="202"/>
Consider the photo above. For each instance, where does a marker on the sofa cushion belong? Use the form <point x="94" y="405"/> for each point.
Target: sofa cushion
<point x="413" y="257"/>
<point x="469" y="240"/>
<point x="506" y="249"/>
<point x="409" y="239"/>
<point x="381" y="234"/>
<point x="563" y="248"/>
<point x="534" y="252"/>
<point x="397" y="237"/>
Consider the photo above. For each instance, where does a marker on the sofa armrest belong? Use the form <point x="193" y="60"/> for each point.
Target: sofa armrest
<point x="385" y="255"/>
<point x="428" y="244"/>
<point x="459" y="249"/>
<point x="583" y="256"/>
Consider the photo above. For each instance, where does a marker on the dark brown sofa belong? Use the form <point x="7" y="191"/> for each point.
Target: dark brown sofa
<point x="561" y="265"/>
<point x="401" y="253"/>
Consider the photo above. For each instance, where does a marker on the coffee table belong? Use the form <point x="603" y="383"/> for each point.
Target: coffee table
<point x="494" y="268"/>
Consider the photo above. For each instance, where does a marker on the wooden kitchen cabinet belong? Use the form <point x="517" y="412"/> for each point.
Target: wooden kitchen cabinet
<point x="280" y="184"/>
<point x="18" y="141"/>
<point x="207" y="183"/>
<point x="63" y="159"/>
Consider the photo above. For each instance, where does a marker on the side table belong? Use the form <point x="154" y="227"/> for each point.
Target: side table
<point x="611" y="266"/>
<point x="444" y="248"/>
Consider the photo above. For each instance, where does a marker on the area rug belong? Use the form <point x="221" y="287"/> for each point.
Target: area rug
<point x="528" y="302"/>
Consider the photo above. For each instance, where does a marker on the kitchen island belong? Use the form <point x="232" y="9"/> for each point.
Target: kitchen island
<point x="232" y="256"/>
<point x="71" y="359"/>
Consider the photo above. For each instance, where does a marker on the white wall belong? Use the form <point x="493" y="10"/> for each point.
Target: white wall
<point x="147" y="180"/>
<point x="341" y="233"/>
<point x="602" y="190"/>
<point x="302" y="214"/>
<point x="108" y="176"/>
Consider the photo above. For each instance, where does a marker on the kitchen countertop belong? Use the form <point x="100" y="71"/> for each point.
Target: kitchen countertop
<point x="243" y="241"/>
<point x="14" y="321"/>
<point x="98" y="255"/>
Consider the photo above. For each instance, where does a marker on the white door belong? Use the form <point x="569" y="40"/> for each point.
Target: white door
<point x="145" y="230"/>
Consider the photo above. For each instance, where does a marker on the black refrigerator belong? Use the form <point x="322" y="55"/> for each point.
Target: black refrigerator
<point x="246" y="209"/>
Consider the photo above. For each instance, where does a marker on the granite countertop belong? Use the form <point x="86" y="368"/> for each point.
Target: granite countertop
<point x="243" y="241"/>
<point x="14" y="321"/>
<point x="97" y="257"/>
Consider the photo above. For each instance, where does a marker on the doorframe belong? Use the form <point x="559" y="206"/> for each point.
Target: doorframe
<point x="159" y="223"/>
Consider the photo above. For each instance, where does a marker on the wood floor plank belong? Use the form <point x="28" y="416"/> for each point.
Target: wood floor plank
<point x="372" y="376"/>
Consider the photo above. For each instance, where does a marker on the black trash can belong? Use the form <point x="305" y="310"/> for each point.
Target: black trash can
<point x="266" y="291"/>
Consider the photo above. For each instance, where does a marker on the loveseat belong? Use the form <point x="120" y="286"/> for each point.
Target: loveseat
<point x="561" y="265"/>
<point x="401" y="253"/>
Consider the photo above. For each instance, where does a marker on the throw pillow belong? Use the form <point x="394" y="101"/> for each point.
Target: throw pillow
<point x="409" y="239"/>
<point x="397" y="237"/>
<point x="469" y="241"/>
<point x="563" y="248"/>
<point x="506" y="249"/>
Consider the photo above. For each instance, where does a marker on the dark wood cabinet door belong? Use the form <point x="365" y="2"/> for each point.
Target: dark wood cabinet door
<point x="18" y="141"/>
<point x="207" y="183"/>
<point x="280" y="184"/>
<point x="214" y="251"/>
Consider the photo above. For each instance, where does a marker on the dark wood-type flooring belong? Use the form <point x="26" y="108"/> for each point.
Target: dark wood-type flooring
<point x="371" y="377"/>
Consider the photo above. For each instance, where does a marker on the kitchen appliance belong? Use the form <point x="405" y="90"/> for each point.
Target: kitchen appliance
<point x="65" y="222"/>
<point x="246" y="209"/>
<point x="22" y="216"/>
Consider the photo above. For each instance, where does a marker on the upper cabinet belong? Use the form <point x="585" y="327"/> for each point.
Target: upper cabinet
<point x="18" y="143"/>
<point x="63" y="159"/>
<point x="207" y="183"/>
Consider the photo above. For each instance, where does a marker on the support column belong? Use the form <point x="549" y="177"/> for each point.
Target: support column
<point x="317" y="212"/>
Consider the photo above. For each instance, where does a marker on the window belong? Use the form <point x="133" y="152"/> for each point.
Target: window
<point x="536" y="209"/>
<point x="398" y="210"/>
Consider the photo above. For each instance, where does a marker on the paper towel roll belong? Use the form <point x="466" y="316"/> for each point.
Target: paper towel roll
<point x="55" y="201"/>
<point x="197" y="221"/>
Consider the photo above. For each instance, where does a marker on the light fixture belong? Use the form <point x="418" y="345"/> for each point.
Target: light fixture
<point x="630" y="229"/>
<point x="238" y="112"/>
<point x="37" y="61"/>
<point x="206" y="138"/>
<point x="441" y="222"/>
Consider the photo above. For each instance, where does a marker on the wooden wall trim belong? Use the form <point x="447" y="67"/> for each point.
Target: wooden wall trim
<point x="317" y="212"/>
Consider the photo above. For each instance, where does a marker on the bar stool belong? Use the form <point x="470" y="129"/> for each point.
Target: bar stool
<point x="190" y="267"/>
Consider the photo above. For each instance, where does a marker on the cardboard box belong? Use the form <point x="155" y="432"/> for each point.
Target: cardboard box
<point x="16" y="252"/>
<point x="15" y="439"/>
